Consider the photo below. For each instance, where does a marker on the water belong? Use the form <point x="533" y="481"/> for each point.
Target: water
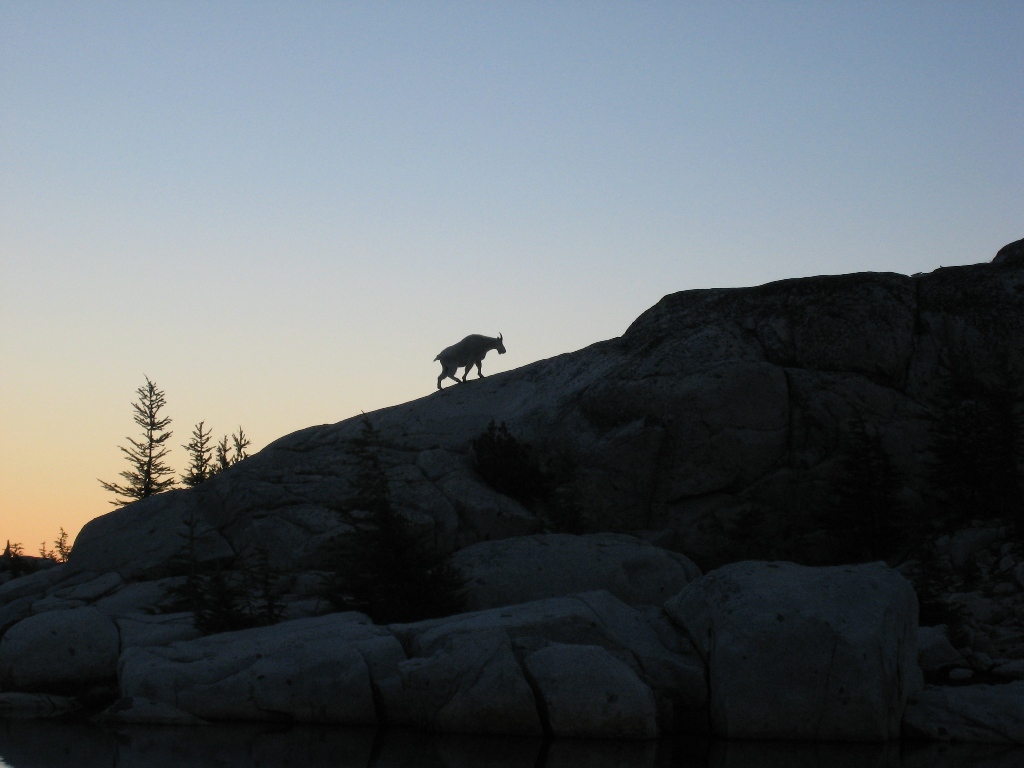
<point x="48" y="744"/>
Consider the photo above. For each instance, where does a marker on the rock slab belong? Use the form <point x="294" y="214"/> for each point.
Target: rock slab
<point x="589" y="693"/>
<point x="320" y="670"/>
<point x="526" y="568"/>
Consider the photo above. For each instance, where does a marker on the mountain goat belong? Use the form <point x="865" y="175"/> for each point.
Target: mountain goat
<point x="467" y="353"/>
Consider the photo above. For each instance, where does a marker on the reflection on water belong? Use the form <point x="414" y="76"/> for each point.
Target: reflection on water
<point x="47" y="744"/>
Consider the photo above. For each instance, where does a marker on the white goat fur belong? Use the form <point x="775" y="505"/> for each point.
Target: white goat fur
<point x="467" y="353"/>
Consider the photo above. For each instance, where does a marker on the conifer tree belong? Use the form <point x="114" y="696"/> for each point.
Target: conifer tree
<point x="61" y="547"/>
<point x="240" y="443"/>
<point x="201" y="466"/>
<point x="148" y="474"/>
<point x="223" y="460"/>
<point x="237" y="442"/>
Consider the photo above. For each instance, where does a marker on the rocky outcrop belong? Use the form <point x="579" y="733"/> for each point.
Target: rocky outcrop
<point x="664" y="662"/>
<point x="584" y="666"/>
<point x="697" y="428"/>
<point x="801" y="653"/>
<point x="715" y="430"/>
<point x="1011" y="255"/>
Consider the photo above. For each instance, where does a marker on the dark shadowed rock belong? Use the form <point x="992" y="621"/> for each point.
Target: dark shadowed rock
<point x="589" y="693"/>
<point x="319" y="670"/>
<point x="146" y="630"/>
<point x="967" y="713"/>
<point x="135" y="710"/>
<point x="147" y="538"/>
<point x="36" y="705"/>
<point x="34" y="584"/>
<point x="804" y="653"/>
<point x="935" y="652"/>
<point x="671" y="669"/>
<point x="472" y="684"/>
<point x="1010" y="255"/>
<point x="526" y="568"/>
<point x="59" y="650"/>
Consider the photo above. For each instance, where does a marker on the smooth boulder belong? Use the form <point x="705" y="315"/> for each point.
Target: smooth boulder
<point x="59" y="651"/>
<point x="795" y="652"/>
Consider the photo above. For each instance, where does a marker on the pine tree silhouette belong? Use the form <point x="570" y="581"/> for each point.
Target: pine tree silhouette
<point x="148" y="474"/>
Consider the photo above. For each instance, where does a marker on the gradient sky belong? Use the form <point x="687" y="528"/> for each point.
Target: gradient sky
<point x="281" y="212"/>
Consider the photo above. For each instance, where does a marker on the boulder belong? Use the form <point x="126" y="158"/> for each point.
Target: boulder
<point x="484" y="512"/>
<point x="985" y="713"/>
<point x="15" y="611"/>
<point x="79" y="590"/>
<point x="148" y="538"/>
<point x="59" y="650"/>
<point x="527" y="568"/>
<point x="320" y="670"/>
<point x="935" y="652"/>
<point x="472" y="684"/>
<point x="587" y="692"/>
<point x="674" y="672"/>
<point x="88" y="591"/>
<point x="795" y="652"/>
<point x="34" y="584"/>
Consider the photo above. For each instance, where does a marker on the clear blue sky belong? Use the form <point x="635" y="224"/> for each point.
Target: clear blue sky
<point x="280" y="212"/>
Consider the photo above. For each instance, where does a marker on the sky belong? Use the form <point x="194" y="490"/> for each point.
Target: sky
<point x="280" y="212"/>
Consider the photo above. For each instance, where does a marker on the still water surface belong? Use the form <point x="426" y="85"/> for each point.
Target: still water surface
<point x="42" y="744"/>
